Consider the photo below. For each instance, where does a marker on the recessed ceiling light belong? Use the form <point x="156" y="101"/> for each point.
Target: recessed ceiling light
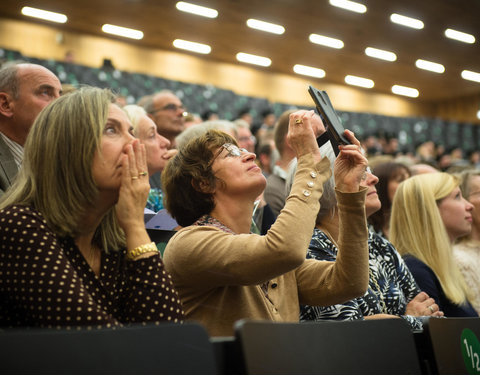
<point x="471" y="76"/>
<point x="349" y="5"/>
<point x="405" y="91"/>
<point x="265" y="26"/>
<point x="197" y="9"/>
<point x="380" y="54"/>
<point x="406" y="21"/>
<point x="309" y="71"/>
<point x="359" y="81"/>
<point x="192" y="46"/>
<point x="253" y="59"/>
<point x="458" y="35"/>
<point x="429" y="65"/>
<point x="44" y="14"/>
<point x="122" y="31"/>
<point x="326" y="41"/>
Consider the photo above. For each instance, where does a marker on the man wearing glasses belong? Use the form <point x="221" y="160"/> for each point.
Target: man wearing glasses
<point x="168" y="113"/>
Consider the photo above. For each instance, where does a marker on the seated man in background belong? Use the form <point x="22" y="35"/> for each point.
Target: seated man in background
<point x="25" y="89"/>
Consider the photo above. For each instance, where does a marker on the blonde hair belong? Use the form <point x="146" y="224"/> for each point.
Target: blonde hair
<point x="416" y="228"/>
<point x="56" y="175"/>
<point x="134" y="114"/>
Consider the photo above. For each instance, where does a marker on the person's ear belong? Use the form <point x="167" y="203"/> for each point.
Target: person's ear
<point x="6" y="104"/>
<point x="203" y="186"/>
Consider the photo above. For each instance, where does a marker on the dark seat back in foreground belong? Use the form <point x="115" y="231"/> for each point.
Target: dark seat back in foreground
<point x="451" y="346"/>
<point x="357" y="347"/>
<point x="153" y="350"/>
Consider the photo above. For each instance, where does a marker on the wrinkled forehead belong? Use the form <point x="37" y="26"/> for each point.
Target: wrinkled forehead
<point x="167" y="98"/>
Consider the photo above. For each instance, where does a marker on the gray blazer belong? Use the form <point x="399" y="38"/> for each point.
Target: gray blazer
<point x="8" y="167"/>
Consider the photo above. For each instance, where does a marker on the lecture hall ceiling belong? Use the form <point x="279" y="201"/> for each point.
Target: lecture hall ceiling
<point x="228" y="34"/>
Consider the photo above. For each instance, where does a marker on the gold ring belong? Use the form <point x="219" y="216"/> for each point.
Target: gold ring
<point x="134" y="178"/>
<point x="431" y="309"/>
<point x="298" y="121"/>
<point x="142" y="173"/>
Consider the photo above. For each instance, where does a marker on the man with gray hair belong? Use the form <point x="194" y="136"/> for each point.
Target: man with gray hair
<point x="25" y="89"/>
<point x="168" y="113"/>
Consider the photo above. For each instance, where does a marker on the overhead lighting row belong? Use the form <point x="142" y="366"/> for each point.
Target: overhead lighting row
<point x="278" y="29"/>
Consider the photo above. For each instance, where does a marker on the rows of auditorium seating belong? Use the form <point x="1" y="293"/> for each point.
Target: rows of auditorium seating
<point x="259" y="348"/>
<point x="410" y="131"/>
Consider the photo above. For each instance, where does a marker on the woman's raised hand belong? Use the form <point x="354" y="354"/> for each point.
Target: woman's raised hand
<point x="350" y="165"/>
<point x="303" y="129"/>
<point x="134" y="188"/>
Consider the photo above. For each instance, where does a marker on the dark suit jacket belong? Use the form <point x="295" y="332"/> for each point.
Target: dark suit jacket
<point x="8" y="167"/>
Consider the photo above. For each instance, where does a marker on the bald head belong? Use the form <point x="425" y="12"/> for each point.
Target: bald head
<point x="25" y="89"/>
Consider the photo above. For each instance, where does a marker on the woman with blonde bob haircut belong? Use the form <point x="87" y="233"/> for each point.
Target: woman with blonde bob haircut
<point x="72" y="224"/>
<point x="428" y="215"/>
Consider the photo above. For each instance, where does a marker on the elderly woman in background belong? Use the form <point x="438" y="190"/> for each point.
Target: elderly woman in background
<point x="428" y="215"/>
<point x="156" y="148"/>
<point x="222" y="271"/>
<point x="467" y="251"/>
<point x="392" y="291"/>
<point x="390" y="175"/>
<point x="74" y="251"/>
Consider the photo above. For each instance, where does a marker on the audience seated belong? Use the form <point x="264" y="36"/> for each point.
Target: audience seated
<point x="389" y="176"/>
<point x="74" y="251"/>
<point x="392" y="291"/>
<point x="156" y="147"/>
<point x="25" y="89"/>
<point x="245" y="138"/>
<point x="428" y="215"/>
<point x="467" y="250"/>
<point x="224" y="273"/>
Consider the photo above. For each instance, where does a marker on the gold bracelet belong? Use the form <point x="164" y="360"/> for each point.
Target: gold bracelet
<point x="147" y="248"/>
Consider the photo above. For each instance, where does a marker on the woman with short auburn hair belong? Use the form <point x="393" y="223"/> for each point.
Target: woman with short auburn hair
<point x="428" y="215"/>
<point x="223" y="272"/>
<point x="72" y="224"/>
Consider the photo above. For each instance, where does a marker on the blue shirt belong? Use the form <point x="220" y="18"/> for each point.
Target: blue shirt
<point x="391" y="285"/>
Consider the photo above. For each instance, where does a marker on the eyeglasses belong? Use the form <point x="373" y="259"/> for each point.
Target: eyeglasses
<point x="233" y="151"/>
<point x="169" y="107"/>
<point x="365" y="174"/>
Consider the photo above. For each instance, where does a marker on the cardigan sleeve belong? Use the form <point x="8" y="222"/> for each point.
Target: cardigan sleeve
<point x="205" y="256"/>
<point x="328" y="283"/>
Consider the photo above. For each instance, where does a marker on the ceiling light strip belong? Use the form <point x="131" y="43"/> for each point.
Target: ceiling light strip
<point x="380" y="54"/>
<point x="44" y="14"/>
<point x="349" y="5"/>
<point x="471" y="76"/>
<point x="309" y="71"/>
<point x="197" y="9"/>
<point x="326" y="41"/>
<point x="359" y="81"/>
<point x="253" y="59"/>
<point x="460" y="36"/>
<point x="405" y="91"/>
<point x="406" y="21"/>
<point x="192" y="46"/>
<point x="122" y="31"/>
<point x="265" y="26"/>
<point x="429" y="65"/>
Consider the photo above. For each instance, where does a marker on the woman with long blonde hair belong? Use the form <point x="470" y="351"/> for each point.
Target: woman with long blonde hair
<point x="428" y="215"/>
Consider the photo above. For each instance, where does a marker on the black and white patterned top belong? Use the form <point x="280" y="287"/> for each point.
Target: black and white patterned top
<point x="46" y="282"/>
<point x="396" y="283"/>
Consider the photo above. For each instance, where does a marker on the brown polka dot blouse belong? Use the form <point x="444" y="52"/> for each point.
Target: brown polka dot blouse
<point x="46" y="282"/>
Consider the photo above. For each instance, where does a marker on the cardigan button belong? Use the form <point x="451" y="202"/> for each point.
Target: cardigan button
<point x="310" y="184"/>
<point x="313" y="175"/>
<point x="306" y="193"/>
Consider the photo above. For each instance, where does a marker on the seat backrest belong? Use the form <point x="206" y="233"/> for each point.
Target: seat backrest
<point x="354" y="347"/>
<point x="164" y="349"/>
<point x="454" y="346"/>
